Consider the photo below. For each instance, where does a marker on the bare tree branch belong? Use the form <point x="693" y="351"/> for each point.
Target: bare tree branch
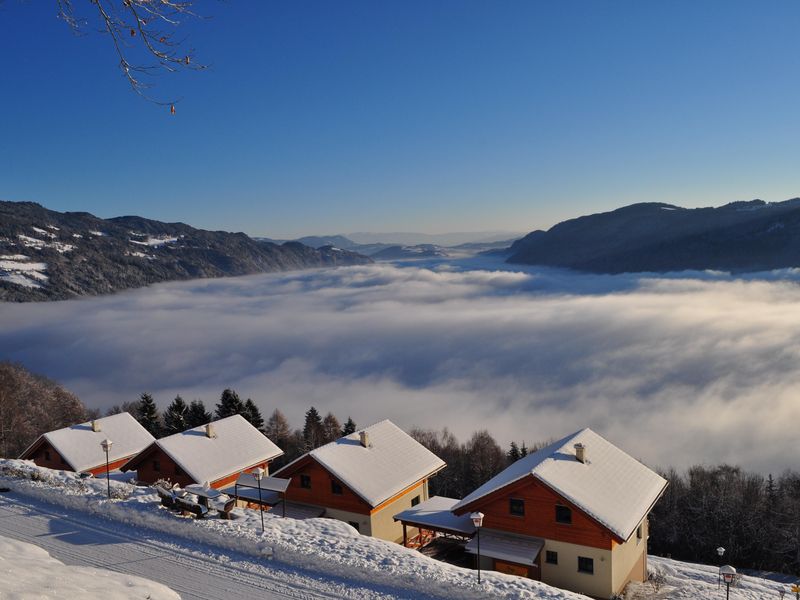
<point x="146" y="27"/>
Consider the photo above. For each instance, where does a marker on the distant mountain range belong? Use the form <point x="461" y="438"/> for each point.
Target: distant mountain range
<point x="48" y="255"/>
<point x="396" y="251"/>
<point x="737" y="237"/>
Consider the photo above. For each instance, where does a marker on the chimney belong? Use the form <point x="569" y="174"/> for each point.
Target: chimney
<point x="210" y="431"/>
<point x="580" y="452"/>
<point x="364" y="439"/>
<point x="95" y="425"/>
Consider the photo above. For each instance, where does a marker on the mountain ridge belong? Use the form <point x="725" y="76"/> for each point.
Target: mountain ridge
<point x="740" y="236"/>
<point x="49" y="255"/>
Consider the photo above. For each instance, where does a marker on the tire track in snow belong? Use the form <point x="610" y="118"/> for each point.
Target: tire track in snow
<point x="206" y="574"/>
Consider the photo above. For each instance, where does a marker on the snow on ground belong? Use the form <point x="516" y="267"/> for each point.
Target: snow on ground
<point x="97" y="233"/>
<point x="27" y="571"/>
<point x="331" y="549"/>
<point x="687" y="580"/>
<point x="15" y="268"/>
<point x="154" y="241"/>
<point x="30" y="242"/>
<point x="44" y="232"/>
<point x="342" y="562"/>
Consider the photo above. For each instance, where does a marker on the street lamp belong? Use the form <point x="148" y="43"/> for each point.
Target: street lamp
<point x="106" y="445"/>
<point x="258" y="474"/>
<point x="720" y="552"/>
<point x="477" y="521"/>
<point x="728" y="575"/>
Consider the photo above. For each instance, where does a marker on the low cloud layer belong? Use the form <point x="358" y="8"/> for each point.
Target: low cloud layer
<point x="675" y="370"/>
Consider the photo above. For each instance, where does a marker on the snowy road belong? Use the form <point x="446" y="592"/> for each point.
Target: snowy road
<point x="193" y="570"/>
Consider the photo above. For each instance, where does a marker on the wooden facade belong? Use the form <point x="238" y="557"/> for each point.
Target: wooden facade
<point x="43" y="454"/>
<point x="320" y="492"/>
<point x="539" y="519"/>
<point x="153" y="464"/>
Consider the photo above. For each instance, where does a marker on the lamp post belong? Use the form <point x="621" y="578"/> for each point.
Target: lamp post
<point x="477" y="521"/>
<point x="720" y="552"/>
<point x="106" y="445"/>
<point x="258" y="474"/>
<point x="728" y="575"/>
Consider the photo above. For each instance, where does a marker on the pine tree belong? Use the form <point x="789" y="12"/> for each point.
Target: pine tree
<point x="513" y="454"/>
<point x="253" y="415"/>
<point x="331" y="428"/>
<point x="148" y="415"/>
<point x="229" y="405"/>
<point x="175" y="417"/>
<point x="312" y="430"/>
<point x="349" y="427"/>
<point x="197" y="414"/>
<point x="523" y="451"/>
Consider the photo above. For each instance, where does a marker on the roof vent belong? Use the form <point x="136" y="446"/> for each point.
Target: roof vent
<point x="364" y="439"/>
<point x="95" y="425"/>
<point x="210" y="433"/>
<point x="580" y="452"/>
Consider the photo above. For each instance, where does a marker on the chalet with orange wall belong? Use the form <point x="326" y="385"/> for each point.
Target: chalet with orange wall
<point x="78" y="447"/>
<point x="215" y="453"/>
<point x="364" y="478"/>
<point x="573" y="515"/>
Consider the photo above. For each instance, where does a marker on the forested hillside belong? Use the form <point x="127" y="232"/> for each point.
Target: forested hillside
<point x="31" y="405"/>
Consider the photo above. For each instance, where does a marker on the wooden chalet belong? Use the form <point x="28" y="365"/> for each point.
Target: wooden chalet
<point x="77" y="448"/>
<point x="573" y="515"/>
<point x="215" y="453"/>
<point x="364" y="478"/>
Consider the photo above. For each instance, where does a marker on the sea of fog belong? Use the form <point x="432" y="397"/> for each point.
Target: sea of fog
<point x="677" y="370"/>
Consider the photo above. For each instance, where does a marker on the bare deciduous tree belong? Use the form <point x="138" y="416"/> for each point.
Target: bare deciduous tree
<point x="143" y="33"/>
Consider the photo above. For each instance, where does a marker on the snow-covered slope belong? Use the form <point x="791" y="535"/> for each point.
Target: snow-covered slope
<point x="334" y="552"/>
<point x="332" y="549"/>
<point x="27" y="571"/>
<point x="691" y="581"/>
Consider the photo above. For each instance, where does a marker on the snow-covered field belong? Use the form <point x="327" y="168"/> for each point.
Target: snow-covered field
<point x="45" y="578"/>
<point x="18" y="269"/>
<point x="321" y="557"/>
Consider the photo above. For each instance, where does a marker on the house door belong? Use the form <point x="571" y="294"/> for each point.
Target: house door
<point x="510" y="568"/>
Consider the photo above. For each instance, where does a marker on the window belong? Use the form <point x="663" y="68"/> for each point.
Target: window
<point x="516" y="507"/>
<point x="551" y="557"/>
<point x="563" y="514"/>
<point x="415" y="501"/>
<point x="354" y="525"/>
<point x="47" y="454"/>
<point x="305" y="481"/>
<point x="157" y="465"/>
<point x="586" y="565"/>
<point x="639" y="534"/>
<point x="336" y="488"/>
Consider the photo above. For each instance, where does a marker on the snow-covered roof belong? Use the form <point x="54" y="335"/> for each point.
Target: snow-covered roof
<point x="80" y="446"/>
<point x="436" y="513"/>
<point x="236" y="445"/>
<point x="612" y="487"/>
<point x="392" y="462"/>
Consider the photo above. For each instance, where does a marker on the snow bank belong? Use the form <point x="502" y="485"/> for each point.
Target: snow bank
<point x="331" y="548"/>
<point x="27" y="571"/>
<point x="691" y="581"/>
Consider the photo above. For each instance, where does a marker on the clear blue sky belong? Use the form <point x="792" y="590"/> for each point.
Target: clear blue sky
<point x="325" y="117"/>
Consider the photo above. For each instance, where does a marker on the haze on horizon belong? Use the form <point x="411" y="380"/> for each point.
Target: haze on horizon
<point x="322" y="118"/>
